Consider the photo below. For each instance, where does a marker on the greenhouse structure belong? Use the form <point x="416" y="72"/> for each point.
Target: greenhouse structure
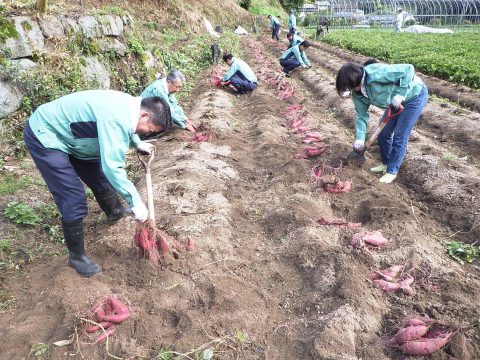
<point x="382" y="12"/>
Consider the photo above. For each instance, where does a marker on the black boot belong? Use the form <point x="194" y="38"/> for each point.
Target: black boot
<point x="74" y="239"/>
<point x="109" y="202"/>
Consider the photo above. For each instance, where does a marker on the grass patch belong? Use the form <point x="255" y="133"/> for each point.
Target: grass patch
<point x="10" y="184"/>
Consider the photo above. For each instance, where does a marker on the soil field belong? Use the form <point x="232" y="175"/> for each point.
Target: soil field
<point x="266" y="280"/>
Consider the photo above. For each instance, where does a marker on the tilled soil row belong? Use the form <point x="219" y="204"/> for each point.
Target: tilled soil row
<point x="457" y="93"/>
<point x="448" y="189"/>
<point x="407" y="222"/>
<point x="458" y="128"/>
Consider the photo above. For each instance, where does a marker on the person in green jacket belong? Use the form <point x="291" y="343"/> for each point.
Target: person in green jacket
<point x="294" y="57"/>
<point x="83" y="137"/>
<point x="166" y="89"/>
<point x="292" y="22"/>
<point x="275" y="25"/>
<point x="293" y="39"/>
<point x="384" y="86"/>
<point x="240" y="75"/>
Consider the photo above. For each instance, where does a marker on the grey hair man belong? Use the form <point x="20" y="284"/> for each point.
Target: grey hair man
<point x="166" y="88"/>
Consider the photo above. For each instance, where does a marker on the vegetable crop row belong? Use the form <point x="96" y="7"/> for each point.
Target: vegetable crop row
<point x="453" y="57"/>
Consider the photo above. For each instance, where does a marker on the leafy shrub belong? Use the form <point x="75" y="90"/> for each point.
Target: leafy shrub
<point x="21" y="214"/>
<point x="245" y="4"/>
<point x="7" y="28"/>
<point x="135" y="46"/>
<point x="463" y="252"/>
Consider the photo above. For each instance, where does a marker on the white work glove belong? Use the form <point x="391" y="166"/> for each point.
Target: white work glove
<point x="358" y="146"/>
<point x="141" y="212"/>
<point x="397" y="101"/>
<point x="145" y="147"/>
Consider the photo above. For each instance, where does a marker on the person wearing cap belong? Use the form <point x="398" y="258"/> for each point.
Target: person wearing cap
<point x="293" y="39"/>
<point x="240" y="75"/>
<point x="82" y="138"/>
<point x="166" y="89"/>
<point x="275" y="25"/>
<point x="384" y="85"/>
<point x="295" y="57"/>
<point x="292" y="22"/>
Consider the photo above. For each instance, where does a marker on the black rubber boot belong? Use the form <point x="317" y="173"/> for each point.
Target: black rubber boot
<point x="109" y="202"/>
<point x="74" y="239"/>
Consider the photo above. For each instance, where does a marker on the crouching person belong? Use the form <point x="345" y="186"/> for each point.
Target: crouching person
<point x="240" y="75"/>
<point x="83" y="137"/>
<point x="295" y="57"/>
<point x="166" y="89"/>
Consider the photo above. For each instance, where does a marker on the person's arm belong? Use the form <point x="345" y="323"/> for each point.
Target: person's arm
<point x="298" y="56"/>
<point x="305" y="59"/>
<point x="114" y="141"/>
<point x="176" y="111"/>
<point x="233" y="69"/>
<point x="361" y="118"/>
<point x="135" y="140"/>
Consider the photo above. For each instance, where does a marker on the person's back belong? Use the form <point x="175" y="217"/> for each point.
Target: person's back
<point x="71" y="122"/>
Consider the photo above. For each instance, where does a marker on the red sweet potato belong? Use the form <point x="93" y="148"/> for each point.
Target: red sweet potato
<point x="372" y="238"/>
<point x="375" y="239"/>
<point x="424" y="346"/>
<point x="392" y="271"/>
<point x="409" y="333"/>
<point x="95" y="328"/>
<point x="387" y="286"/>
<point x="417" y="321"/>
<point x="103" y="336"/>
<point x="117" y="318"/>
<point x="190" y="244"/>
<point x="118" y="306"/>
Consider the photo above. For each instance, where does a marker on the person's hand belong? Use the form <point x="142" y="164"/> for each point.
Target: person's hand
<point x="397" y="101"/>
<point x="190" y="126"/>
<point x="141" y="212"/>
<point x="145" y="147"/>
<point x="358" y="146"/>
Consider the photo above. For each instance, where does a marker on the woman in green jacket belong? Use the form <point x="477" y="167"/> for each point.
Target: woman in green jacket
<point x="384" y="85"/>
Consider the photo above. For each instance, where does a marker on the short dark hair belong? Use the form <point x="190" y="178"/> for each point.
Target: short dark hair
<point x="269" y="16"/>
<point x="227" y="57"/>
<point x="159" y="111"/>
<point x="348" y="77"/>
<point x="305" y="43"/>
<point x="370" y="62"/>
<point x="289" y="35"/>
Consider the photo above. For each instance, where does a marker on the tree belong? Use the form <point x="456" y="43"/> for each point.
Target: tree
<point x="41" y="5"/>
<point x="292" y="4"/>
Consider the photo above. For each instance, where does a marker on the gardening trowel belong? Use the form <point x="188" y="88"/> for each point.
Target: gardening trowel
<point x="360" y="156"/>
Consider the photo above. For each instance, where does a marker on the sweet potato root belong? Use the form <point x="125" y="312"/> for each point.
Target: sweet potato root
<point x="424" y="346"/>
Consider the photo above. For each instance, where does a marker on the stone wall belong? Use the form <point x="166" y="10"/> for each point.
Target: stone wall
<point x="37" y="35"/>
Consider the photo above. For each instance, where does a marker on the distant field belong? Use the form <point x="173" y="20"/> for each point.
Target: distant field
<point x="453" y="57"/>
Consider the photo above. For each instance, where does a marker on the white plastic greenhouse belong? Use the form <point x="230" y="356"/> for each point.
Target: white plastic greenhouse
<point x="382" y="12"/>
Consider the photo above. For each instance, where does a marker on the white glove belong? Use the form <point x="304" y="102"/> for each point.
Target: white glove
<point x="397" y="101"/>
<point x="145" y="147"/>
<point x="358" y="145"/>
<point x="141" y="212"/>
